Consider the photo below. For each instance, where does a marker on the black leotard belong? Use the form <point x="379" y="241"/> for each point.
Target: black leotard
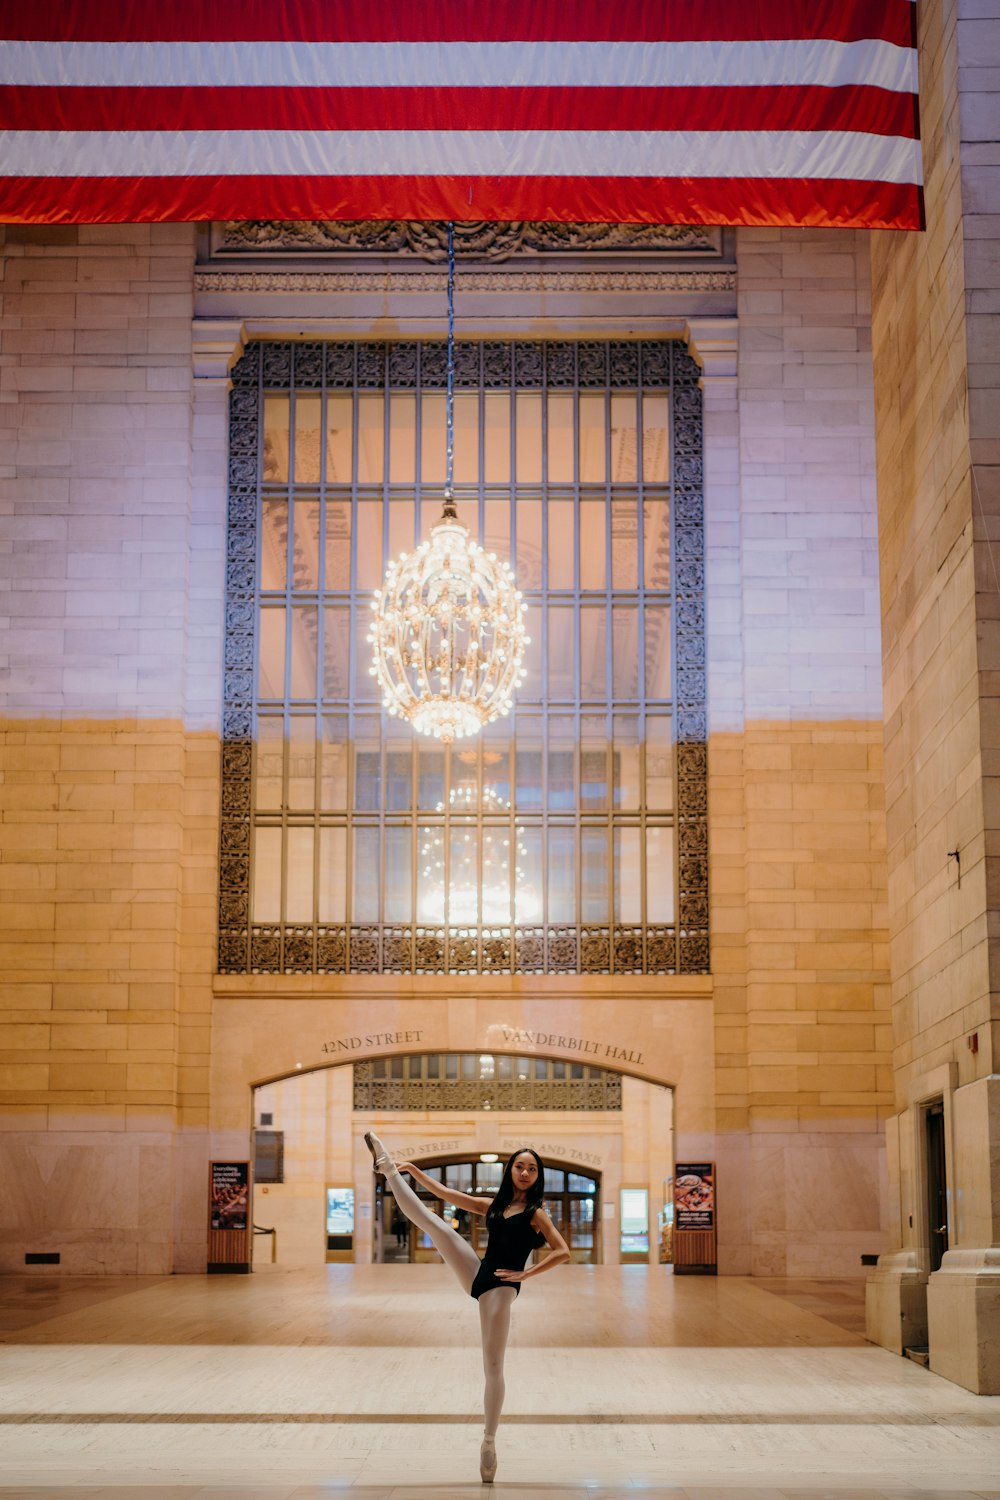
<point x="510" y="1243"/>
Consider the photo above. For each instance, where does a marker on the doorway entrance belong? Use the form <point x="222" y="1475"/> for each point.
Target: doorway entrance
<point x="461" y="1115"/>
<point x="937" y="1183"/>
<point x="572" y="1201"/>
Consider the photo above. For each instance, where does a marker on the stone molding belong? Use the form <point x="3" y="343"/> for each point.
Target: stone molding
<point x="714" y="343"/>
<point x="549" y="283"/>
<point x="216" y="345"/>
<point x="942" y="1080"/>
<point x="980" y="1261"/>
<point x="416" y="989"/>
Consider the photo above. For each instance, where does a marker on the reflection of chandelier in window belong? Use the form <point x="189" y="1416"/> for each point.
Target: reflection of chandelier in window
<point x="448" y="630"/>
<point x="463" y="886"/>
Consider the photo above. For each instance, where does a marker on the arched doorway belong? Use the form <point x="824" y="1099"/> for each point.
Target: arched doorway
<point x="602" y="1135"/>
<point x="572" y="1200"/>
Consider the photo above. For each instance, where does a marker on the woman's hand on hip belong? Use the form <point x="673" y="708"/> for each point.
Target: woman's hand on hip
<point x="510" y="1276"/>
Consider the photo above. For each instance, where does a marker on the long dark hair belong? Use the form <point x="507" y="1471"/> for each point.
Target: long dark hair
<point x="505" y="1193"/>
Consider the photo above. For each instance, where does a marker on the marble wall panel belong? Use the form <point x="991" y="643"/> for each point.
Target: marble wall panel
<point x="102" y="1200"/>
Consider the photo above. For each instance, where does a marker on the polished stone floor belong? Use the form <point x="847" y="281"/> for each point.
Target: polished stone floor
<point x="365" y="1381"/>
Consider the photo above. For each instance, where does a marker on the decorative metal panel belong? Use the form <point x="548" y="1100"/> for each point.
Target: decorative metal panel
<point x="599" y="1090"/>
<point x="357" y="942"/>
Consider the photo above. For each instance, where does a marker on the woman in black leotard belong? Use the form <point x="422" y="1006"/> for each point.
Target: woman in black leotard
<point x="517" y="1224"/>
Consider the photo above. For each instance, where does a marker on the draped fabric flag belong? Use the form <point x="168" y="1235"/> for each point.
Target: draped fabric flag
<point x="683" y="111"/>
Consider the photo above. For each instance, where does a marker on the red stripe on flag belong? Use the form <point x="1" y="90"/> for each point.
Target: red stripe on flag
<point x="456" y="20"/>
<point x="115" y="200"/>
<point x="875" y="111"/>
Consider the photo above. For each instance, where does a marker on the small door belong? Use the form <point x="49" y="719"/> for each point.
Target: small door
<point x="937" y="1183"/>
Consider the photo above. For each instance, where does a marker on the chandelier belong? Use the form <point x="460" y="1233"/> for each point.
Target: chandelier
<point x="464" y="887"/>
<point x="448" y="633"/>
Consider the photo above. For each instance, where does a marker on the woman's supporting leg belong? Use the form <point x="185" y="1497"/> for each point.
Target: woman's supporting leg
<point x="451" y="1247"/>
<point x="494" y="1322"/>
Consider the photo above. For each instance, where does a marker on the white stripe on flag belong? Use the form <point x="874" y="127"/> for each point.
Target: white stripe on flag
<point x="817" y="155"/>
<point x="458" y="64"/>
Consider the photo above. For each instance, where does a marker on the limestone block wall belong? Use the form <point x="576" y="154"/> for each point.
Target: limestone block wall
<point x="796" y="800"/>
<point x="108" y="785"/>
<point x="978" y="47"/>
<point x="930" y="581"/>
<point x="935" y="299"/>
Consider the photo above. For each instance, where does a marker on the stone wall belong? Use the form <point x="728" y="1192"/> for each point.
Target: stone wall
<point x="109" y="786"/>
<point x="799" y="952"/>
<point x="935" y="298"/>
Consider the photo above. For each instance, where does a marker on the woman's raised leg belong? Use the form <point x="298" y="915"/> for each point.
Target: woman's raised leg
<point x="453" y="1250"/>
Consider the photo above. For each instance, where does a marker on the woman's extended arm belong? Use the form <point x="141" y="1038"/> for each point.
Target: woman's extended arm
<point x="447" y="1195"/>
<point x="559" y="1250"/>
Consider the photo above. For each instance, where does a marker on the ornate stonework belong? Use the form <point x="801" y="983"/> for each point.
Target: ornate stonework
<point x="551" y="282"/>
<point x="414" y="239"/>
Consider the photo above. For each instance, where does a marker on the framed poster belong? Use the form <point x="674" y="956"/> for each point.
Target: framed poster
<point x="694" y="1195"/>
<point x="229" y="1223"/>
<point x="229" y="1186"/>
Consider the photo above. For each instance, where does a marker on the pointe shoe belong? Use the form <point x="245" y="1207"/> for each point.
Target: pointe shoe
<point x="488" y="1460"/>
<point x="380" y="1156"/>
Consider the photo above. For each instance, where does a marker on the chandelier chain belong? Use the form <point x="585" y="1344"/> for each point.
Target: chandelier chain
<point x="448" y="632"/>
<point x="450" y="394"/>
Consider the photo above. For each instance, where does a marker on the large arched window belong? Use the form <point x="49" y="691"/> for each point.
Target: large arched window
<point x="570" y="836"/>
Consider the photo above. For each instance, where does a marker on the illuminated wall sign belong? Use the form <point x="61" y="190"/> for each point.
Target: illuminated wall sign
<point x="340" y="1210"/>
<point x="694" y="1195"/>
<point x="634" y="1221"/>
<point x="230" y="1194"/>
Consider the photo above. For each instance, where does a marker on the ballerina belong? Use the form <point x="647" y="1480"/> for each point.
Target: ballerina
<point x="517" y="1224"/>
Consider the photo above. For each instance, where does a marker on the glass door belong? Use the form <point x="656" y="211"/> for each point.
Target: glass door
<point x="571" y="1200"/>
<point x="581" y="1230"/>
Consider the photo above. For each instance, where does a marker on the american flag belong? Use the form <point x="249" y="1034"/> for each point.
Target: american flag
<point x="684" y="111"/>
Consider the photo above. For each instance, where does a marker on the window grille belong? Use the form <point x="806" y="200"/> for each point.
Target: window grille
<point x="475" y="1081"/>
<point x="571" y="837"/>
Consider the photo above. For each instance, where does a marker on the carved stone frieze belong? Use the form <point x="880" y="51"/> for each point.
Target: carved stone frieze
<point x="428" y="240"/>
